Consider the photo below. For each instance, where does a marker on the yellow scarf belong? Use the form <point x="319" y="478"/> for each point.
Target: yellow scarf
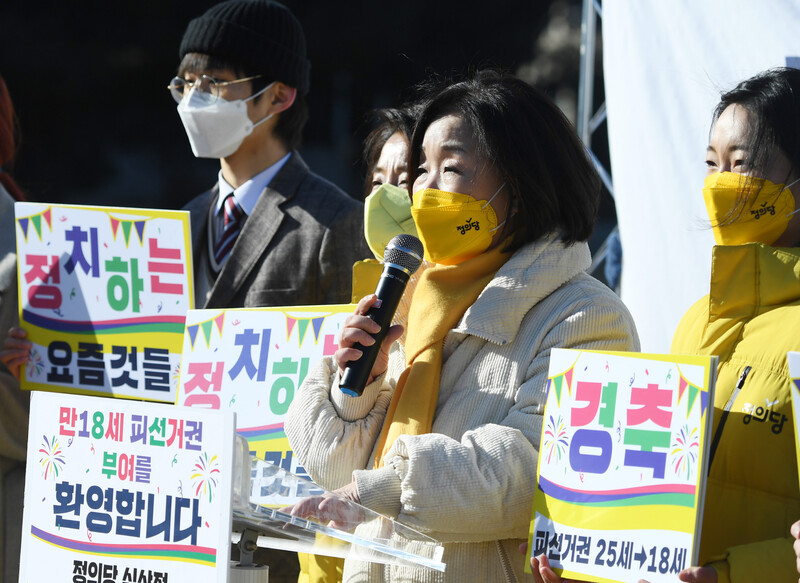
<point x="443" y="294"/>
<point x="366" y="275"/>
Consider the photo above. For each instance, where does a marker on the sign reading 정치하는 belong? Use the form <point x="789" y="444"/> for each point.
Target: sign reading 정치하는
<point x="103" y="297"/>
<point x="253" y="361"/>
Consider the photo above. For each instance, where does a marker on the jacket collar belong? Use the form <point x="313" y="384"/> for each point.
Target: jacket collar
<point x="748" y="278"/>
<point x="257" y="232"/>
<point x="531" y="274"/>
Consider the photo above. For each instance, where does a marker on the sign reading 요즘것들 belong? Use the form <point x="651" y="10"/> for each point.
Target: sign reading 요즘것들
<point x="103" y="296"/>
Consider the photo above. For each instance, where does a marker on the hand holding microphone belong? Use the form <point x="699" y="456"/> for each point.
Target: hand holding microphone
<point x="362" y="339"/>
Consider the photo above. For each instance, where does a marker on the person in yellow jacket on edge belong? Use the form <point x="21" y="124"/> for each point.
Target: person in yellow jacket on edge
<point x="750" y="320"/>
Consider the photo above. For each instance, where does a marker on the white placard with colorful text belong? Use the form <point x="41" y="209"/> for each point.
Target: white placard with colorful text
<point x="103" y="296"/>
<point x="622" y="464"/>
<point x="126" y="491"/>
<point x="253" y="361"/>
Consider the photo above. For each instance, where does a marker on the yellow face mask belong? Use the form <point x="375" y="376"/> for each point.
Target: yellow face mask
<point x="387" y="213"/>
<point x="453" y="227"/>
<point x="765" y="214"/>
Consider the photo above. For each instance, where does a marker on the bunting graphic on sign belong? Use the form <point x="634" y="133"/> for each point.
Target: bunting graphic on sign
<point x="558" y="382"/>
<point x="36" y="221"/>
<point x="207" y="326"/>
<point x="685" y="387"/>
<point x="302" y="325"/>
<point x="128" y="225"/>
<point x="620" y="463"/>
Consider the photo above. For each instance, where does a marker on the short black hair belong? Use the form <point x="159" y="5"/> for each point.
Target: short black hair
<point x="291" y="121"/>
<point x="773" y="99"/>
<point x="387" y="122"/>
<point x="533" y="148"/>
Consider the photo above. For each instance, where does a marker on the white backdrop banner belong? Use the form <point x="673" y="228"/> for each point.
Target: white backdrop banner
<point x="665" y="65"/>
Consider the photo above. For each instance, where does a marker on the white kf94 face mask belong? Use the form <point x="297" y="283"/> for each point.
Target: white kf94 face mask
<point x="216" y="129"/>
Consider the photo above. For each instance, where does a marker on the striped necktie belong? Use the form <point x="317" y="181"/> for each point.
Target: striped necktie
<point x="232" y="222"/>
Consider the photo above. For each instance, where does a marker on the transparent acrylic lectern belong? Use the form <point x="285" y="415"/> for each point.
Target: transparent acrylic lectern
<point x="263" y="495"/>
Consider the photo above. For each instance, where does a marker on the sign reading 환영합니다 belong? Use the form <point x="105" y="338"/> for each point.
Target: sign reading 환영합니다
<point x="622" y="464"/>
<point x="252" y="361"/>
<point x="103" y="297"/>
<point x="126" y="491"/>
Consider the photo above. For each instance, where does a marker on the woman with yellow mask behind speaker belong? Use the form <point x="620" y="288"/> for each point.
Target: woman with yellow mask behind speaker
<point x="445" y="436"/>
<point x="387" y="204"/>
<point x="387" y="213"/>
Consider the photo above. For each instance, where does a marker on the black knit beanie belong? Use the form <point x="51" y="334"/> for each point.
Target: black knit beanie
<point x="260" y="34"/>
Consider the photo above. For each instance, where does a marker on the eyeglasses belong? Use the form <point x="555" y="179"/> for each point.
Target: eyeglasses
<point x="180" y="86"/>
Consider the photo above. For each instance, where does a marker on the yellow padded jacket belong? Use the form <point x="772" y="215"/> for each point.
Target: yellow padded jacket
<point x="750" y="320"/>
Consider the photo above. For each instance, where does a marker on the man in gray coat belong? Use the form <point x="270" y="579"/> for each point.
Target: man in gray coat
<point x="270" y="232"/>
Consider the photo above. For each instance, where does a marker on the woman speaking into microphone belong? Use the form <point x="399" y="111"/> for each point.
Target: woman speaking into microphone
<point x="445" y="435"/>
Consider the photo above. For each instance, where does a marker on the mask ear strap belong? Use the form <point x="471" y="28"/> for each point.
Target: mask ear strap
<point x="254" y="95"/>
<point x="504" y="222"/>
<point x="787" y="188"/>
<point x="496" y="192"/>
<point x="795" y="181"/>
<point x="259" y="122"/>
<point x="490" y="200"/>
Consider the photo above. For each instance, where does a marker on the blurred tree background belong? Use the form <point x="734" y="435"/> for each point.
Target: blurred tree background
<point x="99" y="127"/>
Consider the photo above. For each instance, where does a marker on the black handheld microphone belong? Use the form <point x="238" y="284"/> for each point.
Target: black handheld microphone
<point x="402" y="257"/>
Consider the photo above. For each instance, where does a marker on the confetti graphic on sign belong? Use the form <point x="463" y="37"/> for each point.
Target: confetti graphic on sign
<point x="35" y="364"/>
<point x="685" y="449"/>
<point x="51" y="458"/>
<point x="555" y="438"/>
<point x="205" y="474"/>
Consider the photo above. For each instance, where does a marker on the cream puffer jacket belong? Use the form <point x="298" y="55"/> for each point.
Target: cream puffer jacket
<point x="470" y="482"/>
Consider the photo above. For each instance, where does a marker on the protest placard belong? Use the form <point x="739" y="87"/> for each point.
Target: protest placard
<point x="622" y="464"/>
<point x="252" y="361"/>
<point x="126" y="491"/>
<point x="103" y="296"/>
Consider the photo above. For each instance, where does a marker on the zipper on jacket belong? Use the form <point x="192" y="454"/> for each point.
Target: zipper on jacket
<point x="724" y="416"/>
<point x="506" y="564"/>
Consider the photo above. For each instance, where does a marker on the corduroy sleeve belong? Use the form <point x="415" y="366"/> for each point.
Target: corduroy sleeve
<point x="333" y="434"/>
